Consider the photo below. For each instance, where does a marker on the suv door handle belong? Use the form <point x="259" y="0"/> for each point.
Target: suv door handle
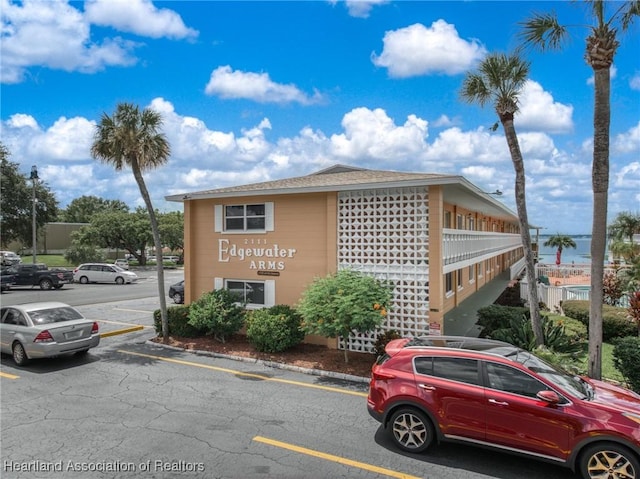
<point x="427" y="387"/>
<point x="498" y="403"/>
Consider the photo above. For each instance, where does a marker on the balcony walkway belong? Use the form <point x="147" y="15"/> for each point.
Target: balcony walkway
<point x="461" y="321"/>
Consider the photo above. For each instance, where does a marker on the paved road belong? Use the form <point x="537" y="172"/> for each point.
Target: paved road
<point x="133" y="409"/>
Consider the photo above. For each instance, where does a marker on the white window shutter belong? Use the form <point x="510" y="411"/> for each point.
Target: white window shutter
<point x="217" y="218"/>
<point x="268" y="214"/>
<point x="269" y="293"/>
<point x="218" y="283"/>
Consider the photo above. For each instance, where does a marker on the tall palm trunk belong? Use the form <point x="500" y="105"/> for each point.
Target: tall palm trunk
<point x="600" y="183"/>
<point x="521" y="205"/>
<point x="137" y="174"/>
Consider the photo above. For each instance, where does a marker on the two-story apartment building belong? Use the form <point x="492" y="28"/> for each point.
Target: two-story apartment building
<point x="438" y="238"/>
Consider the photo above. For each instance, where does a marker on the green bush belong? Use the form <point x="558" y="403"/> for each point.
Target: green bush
<point x="519" y="332"/>
<point x="274" y="329"/>
<point x="217" y="313"/>
<point x="495" y="317"/>
<point x="626" y="357"/>
<point x="615" y="320"/>
<point x="178" y="318"/>
<point x="383" y="340"/>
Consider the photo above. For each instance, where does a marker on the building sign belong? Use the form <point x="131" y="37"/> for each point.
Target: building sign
<point x="268" y="273"/>
<point x="256" y="252"/>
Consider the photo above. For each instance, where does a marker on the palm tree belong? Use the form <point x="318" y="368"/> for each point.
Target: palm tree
<point x="131" y="138"/>
<point x="560" y="242"/>
<point x="622" y="231"/>
<point x="545" y="32"/>
<point x="499" y="80"/>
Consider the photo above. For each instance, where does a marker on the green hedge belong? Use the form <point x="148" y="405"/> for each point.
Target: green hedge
<point x="494" y="317"/>
<point x="626" y="357"/>
<point x="615" y="321"/>
<point x="178" y="317"/>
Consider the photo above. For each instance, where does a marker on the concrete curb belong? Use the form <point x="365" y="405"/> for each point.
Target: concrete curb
<point x="121" y="331"/>
<point x="269" y="364"/>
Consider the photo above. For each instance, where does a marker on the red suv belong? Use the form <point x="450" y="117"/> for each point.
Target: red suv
<point x="490" y="393"/>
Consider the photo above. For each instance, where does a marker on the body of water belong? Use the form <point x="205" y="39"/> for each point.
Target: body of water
<point x="579" y="255"/>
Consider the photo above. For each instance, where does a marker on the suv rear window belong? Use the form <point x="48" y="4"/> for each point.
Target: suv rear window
<point x="455" y="369"/>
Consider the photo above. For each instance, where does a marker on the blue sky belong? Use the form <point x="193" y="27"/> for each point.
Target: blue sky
<point x="256" y="91"/>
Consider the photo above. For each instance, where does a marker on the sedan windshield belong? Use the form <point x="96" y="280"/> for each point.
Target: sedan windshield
<point x="54" y="315"/>
<point x="555" y="375"/>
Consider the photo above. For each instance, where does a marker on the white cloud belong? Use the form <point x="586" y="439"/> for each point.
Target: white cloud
<point x="418" y="50"/>
<point x="53" y="35"/>
<point x="226" y="83"/>
<point x="455" y="146"/>
<point x="628" y="142"/>
<point x="629" y="177"/>
<point x="372" y="134"/>
<point x="634" y="82"/>
<point x="539" y="112"/>
<point x="362" y="8"/>
<point x="66" y="139"/>
<point x="138" y="16"/>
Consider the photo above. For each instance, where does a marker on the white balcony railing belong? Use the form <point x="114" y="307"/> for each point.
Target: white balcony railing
<point x="462" y="248"/>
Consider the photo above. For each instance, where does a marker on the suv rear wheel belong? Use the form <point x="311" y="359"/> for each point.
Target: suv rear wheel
<point x="411" y="430"/>
<point x="607" y="459"/>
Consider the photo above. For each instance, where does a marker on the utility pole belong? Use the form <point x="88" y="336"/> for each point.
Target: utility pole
<point x="34" y="178"/>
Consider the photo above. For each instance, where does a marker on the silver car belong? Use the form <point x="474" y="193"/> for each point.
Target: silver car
<point x="42" y="330"/>
<point x="103" y="273"/>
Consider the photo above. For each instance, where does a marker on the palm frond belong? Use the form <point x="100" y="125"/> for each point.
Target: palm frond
<point x="543" y="31"/>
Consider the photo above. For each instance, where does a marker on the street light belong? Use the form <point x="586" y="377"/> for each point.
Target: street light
<point x="34" y="178"/>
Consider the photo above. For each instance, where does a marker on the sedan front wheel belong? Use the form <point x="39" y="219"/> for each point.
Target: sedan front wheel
<point x="609" y="460"/>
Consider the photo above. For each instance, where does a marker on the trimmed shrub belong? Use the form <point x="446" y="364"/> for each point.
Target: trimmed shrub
<point x="495" y="317"/>
<point x="615" y="320"/>
<point x="626" y="357"/>
<point x="217" y="313"/>
<point x="383" y="339"/>
<point x="178" y="318"/>
<point x="274" y="329"/>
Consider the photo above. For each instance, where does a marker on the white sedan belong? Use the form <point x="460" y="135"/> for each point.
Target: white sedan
<point x="42" y="330"/>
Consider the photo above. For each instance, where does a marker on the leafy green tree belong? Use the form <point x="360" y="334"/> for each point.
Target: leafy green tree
<point x="545" y="32"/>
<point x="499" y="80"/>
<point x="16" y="200"/>
<point x="172" y="229"/>
<point x="131" y="138"/>
<point x="80" y="210"/>
<point x="342" y="303"/>
<point x="560" y="242"/>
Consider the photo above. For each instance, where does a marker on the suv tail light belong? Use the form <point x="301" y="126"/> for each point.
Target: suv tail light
<point x="43" y="337"/>
<point x="94" y="328"/>
<point x="379" y="376"/>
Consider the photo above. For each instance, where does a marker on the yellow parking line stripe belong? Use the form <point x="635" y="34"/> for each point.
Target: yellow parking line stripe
<point x="8" y="376"/>
<point x="121" y="331"/>
<point x="241" y="373"/>
<point x="338" y="459"/>
<point x="120" y="323"/>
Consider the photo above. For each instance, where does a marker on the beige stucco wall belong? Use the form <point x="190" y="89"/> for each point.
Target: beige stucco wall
<point x="304" y="235"/>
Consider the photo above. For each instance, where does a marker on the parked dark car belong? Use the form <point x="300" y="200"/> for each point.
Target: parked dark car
<point x="39" y="275"/>
<point x="492" y="394"/>
<point x="8" y="279"/>
<point x="176" y="292"/>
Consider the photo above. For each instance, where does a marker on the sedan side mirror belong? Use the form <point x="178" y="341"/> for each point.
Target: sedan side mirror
<point x="550" y="397"/>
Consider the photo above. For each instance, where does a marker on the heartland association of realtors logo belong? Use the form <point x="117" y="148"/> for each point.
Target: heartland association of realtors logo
<point x="256" y="251"/>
